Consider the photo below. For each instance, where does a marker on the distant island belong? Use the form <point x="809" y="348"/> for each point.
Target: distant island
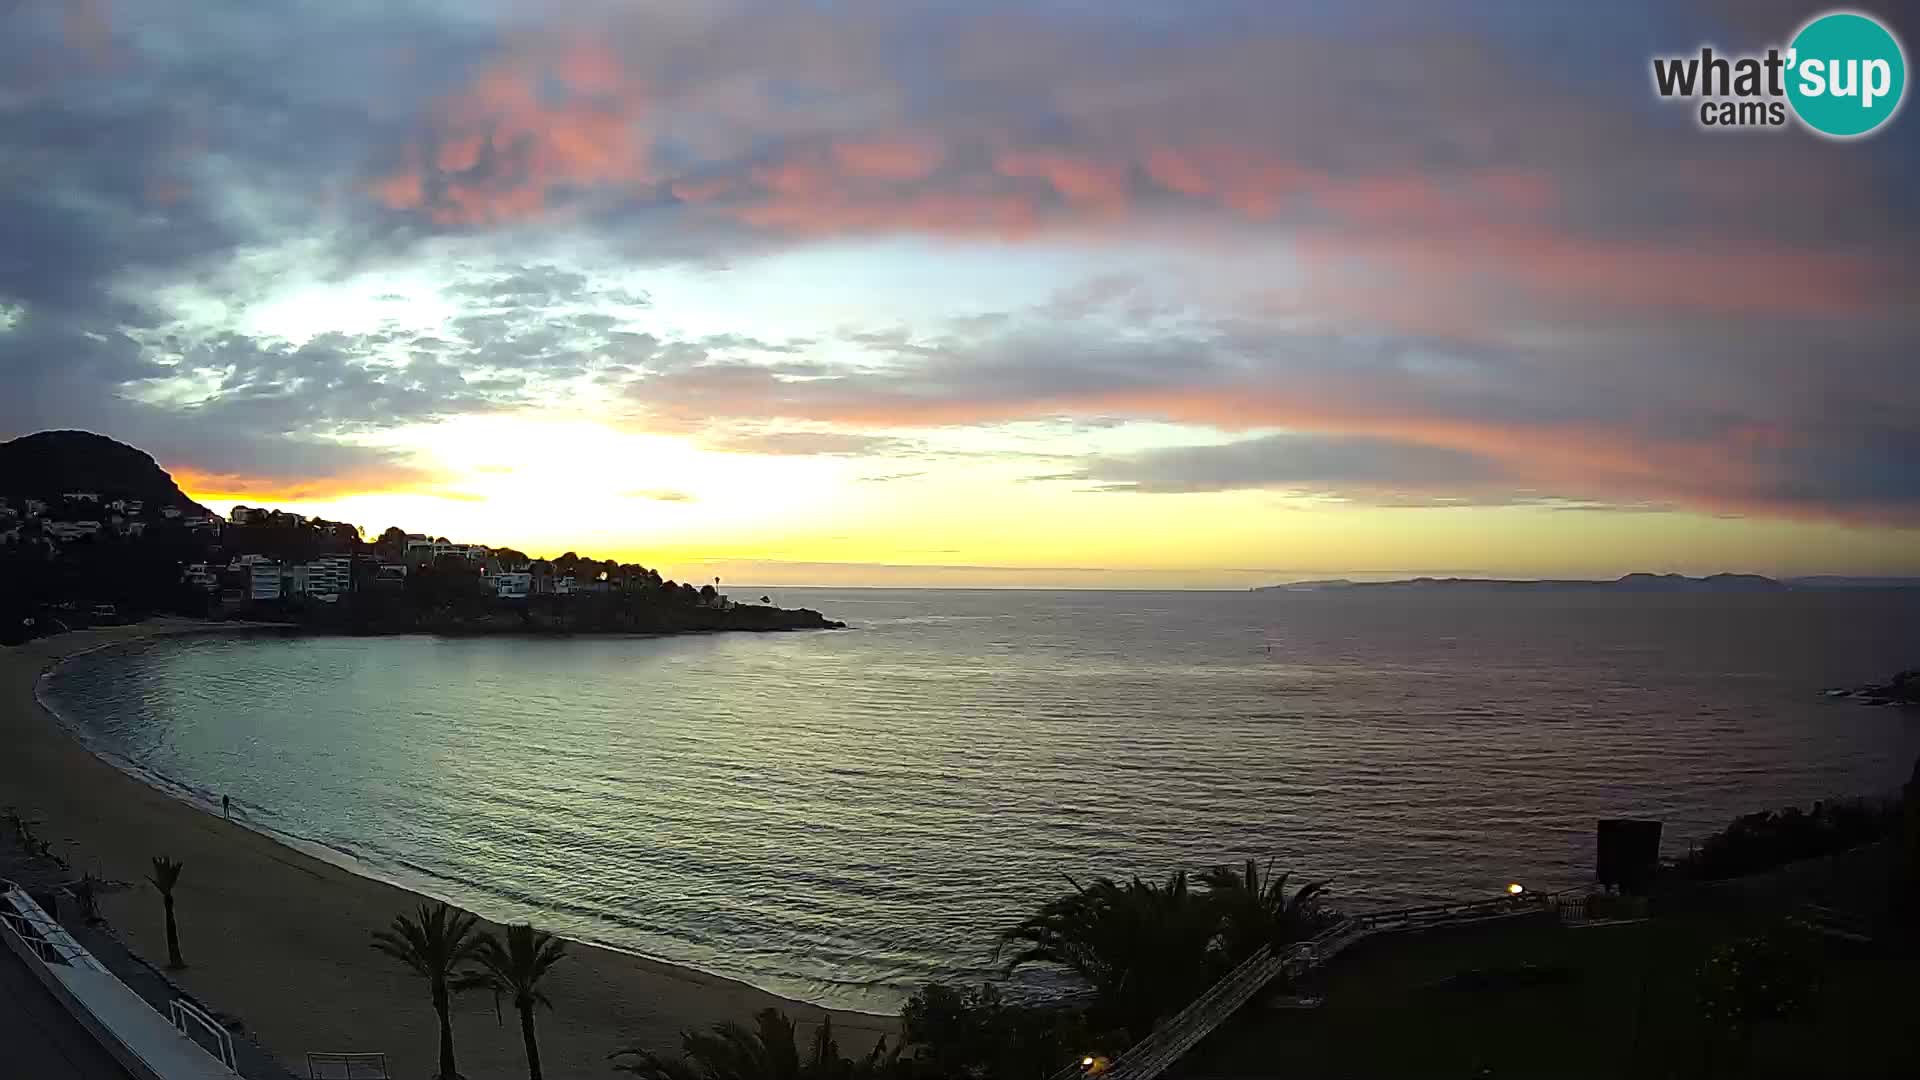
<point x="93" y="530"/>
<point x="1640" y="582"/>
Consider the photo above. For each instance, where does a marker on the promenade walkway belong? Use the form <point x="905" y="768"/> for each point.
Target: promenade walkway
<point x="39" y="1038"/>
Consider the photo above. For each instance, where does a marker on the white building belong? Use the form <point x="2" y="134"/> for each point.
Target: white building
<point x="82" y="496"/>
<point x="169" y="512"/>
<point x="265" y="580"/>
<point x="330" y="575"/>
<point x="422" y="547"/>
<point x="202" y="576"/>
<point x="512" y="584"/>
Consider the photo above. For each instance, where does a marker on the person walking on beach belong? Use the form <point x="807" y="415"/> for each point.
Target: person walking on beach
<point x="226" y="806"/>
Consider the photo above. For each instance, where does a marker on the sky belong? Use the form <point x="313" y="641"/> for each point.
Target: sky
<point x="1098" y="293"/>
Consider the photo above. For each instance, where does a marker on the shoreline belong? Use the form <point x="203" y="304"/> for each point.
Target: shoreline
<point x="280" y="936"/>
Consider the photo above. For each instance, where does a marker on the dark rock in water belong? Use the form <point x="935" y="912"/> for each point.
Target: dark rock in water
<point x="1902" y="689"/>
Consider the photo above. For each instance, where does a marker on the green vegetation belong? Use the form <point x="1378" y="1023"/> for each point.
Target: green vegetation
<point x="516" y="970"/>
<point x="166" y="875"/>
<point x="438" y="943"/>
<point x="1144" y="950"/>
<point x="767" y="1051"/>
<point x="976" y="1034"/>
<point x="1629" y="1000"/>
<point x="1770" y="838"/>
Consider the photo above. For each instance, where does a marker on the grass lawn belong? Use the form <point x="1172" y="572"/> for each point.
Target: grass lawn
<point x="1614" y="1001"/>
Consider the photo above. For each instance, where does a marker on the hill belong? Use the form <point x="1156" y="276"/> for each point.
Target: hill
<point x="1641" y="582"/>
<point x="48" y="464"/>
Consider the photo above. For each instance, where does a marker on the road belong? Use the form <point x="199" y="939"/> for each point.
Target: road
<point x="38" y="1038"/>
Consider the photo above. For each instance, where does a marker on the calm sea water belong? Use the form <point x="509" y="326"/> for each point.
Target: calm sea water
<point x="838" y="816"/>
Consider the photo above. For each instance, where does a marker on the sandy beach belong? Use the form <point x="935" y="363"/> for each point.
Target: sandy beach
<point x="280" y="938"/>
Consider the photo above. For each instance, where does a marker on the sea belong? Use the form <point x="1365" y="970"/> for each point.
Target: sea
<point x="841" y="816"/>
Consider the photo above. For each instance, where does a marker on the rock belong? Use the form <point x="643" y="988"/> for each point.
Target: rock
<point x="1902" y="689"/>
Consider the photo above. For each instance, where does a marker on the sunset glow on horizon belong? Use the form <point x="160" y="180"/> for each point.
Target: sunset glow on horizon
<point x="1049" y="294"/>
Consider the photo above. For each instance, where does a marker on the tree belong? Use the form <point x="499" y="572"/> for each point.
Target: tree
<point x="1143" y="949"/>
<point x="516" y="970"/>
<point x="166" y="874"/>
<point x="973" y="1033"/>
<point x="1253" y="912"/>
<point x="767" y="1051"/>
<point x="1749" y="983"/>
<point x="437" y="943"/>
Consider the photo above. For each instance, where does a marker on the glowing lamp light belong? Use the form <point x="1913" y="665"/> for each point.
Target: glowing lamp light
<point x="1086" y="1063"/>
<point x="1516" y="889"/>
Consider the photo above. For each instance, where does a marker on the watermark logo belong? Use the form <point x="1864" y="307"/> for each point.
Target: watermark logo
<point x="1843" y="75"/>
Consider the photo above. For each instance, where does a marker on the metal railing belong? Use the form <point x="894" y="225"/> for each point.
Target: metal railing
<point x="184" y="1013"/>
<point x="351" y="1066"/>
<point x="39" y="932"/>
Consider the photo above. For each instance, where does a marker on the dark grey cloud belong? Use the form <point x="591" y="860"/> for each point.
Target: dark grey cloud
<point x="1341" y="464"/>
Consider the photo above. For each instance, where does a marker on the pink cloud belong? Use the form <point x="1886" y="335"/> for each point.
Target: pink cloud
<point x="553" y="115"/>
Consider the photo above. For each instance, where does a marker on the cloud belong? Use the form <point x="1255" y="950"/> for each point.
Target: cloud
<point x="1339" y="464"/>
<point x="1684" y="420"/>
<point x="807" y="443"/>
<point x="1416" y="252"/>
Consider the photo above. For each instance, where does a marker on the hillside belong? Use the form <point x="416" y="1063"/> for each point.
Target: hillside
<point x="48" y="464"/>
<point x="1638" y="582"/>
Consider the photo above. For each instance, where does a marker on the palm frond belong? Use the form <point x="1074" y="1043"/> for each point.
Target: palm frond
<point x="166" y="874"/>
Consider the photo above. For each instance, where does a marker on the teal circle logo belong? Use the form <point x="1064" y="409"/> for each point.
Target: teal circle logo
<point x="1846" y="74"/>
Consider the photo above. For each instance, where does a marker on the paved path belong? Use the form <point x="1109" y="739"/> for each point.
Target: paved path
<point x="37" y="1036"/>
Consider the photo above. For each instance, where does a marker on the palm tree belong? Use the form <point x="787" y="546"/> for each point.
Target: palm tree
<point x="516" y="970"/>
<point x="1254" y="912"/>
<point x="767" y="1051"/>
<point x="1143" y="949"/>
<point x="436" y="943"/>
<point x="166" y="874"/>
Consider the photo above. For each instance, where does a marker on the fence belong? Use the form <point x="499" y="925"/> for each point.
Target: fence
<point x="349" y="1066"/>
<point x="185" y="1013"/>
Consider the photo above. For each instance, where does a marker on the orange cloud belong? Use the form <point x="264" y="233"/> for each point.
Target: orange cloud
<point x="224" y="487"/>
<point x="1080" y="180"/>
<point x="889" y="159"/>
<point x="553" y="116"/>
<point x="1007" y="215"/>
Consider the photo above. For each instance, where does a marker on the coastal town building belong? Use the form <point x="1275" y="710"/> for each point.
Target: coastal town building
<point x="512" y="585"/>
<point x="426" y="549"/>
<point x="330" y="575"/>
<point x="72" y="530"/>
<point x="264" y="580"/>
